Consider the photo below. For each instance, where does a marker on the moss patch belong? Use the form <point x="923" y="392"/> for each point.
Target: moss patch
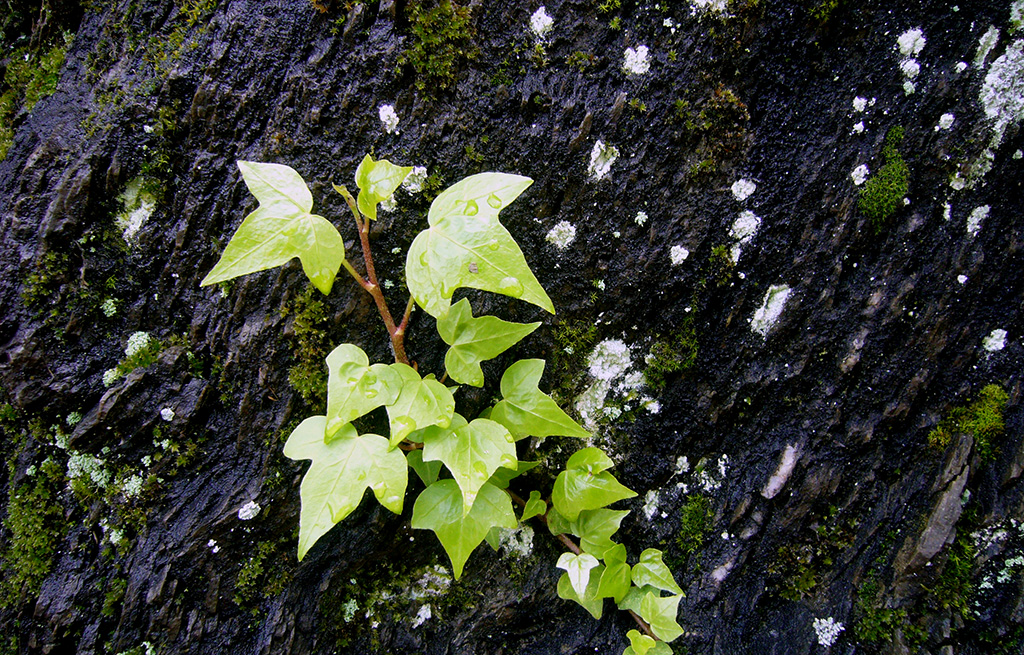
<point x="30" y="77"/>
<point x="442" y="40"/>
<point x="982" y="419"/>
<point x="308" y="376"/>
<point x="884" y="191"/>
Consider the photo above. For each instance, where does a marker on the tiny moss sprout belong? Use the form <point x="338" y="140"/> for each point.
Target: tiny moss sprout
<point x="884" y="191"/>
<point x="467" y="466"/>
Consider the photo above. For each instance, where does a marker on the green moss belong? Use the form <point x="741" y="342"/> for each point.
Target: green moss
<point x="675" y="355"/>
<point x="30" y="76"/>
<point x="308" y="376"/>
<point x="35" y="520"/>
<point x="265" y="574"/>
<point x="608" y="6"/>
<point x="113" y="596"/>
<point x="884" y="191"/>
<point x="442" y="40"/>
<point x="822" y="12"/>
<point x="694" y="523"/>
<point x="575" y="339"/>
<point x="876" y="623"/>
<point x="982" y="419"/>
<point x="715" y="127"/>
<point x="799" y="563"/>
<point x="581" y="61"/>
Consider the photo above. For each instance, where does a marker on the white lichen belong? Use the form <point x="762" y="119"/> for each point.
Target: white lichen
<point x="827" y="630"/>
<point x="945" y="122"/>
<point x="1016" y="16"/>
<point x="137" y="205"/>
<point x="678" y="255"/>
<point x="132" y="487"/>
<point x="995" y="341"/>
<point x="636" y="62"/>
<point x="249" y="511"/>
<point x="986" y="43"/>
<point x="651" y="501"/>
<point x="388" y="204"/>
<point x="910" y="68"/>
<point x="860" y="104"/>
<point x="858" y="128"/>
<point x="909" y="88"/>
<point x="541" y="23"/>
<point x="167" y="414"/>
<point x="860" y="174"/>
<point x="562" y="234"/>
<point x="743" y="189"/>
<point x="109" y="307"/>
<point x="110" y="376"/>
<point x="601" y="159"/>
<point x="389" y="118"/>
<point x="641" y="218"/>
<point x="422" y="616"/>
<point x="962" y="279"/>
<point x="413" y="182"/>
<point x="911" y="42"/>
<point x="137" y="342"/>
<point x="73" y="419"/>
<point x="81" y="465"/>
<point x="975" y="218"/>
<point x="709" y="6"/>
<point x="1002" y="94"/>
<point x="517" y="542"/>
<point x="610" y="359"/>
<point x="745" y="227"/>
<point x="771" y="308"/>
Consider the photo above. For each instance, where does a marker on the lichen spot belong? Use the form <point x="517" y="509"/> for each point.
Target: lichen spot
<point x="911" y="42"/>
<point x="771" y="308"/>
<point x="745" y="226"/>
<point x="743" y="189"/>
<point x="541" y="23"/>
<point x="601" y="159"/>
<point x="610" y="359"/>
<point x="975" y="218"/>
<point x="995" y="341"/>
<point x="562" y="234"/>
<point x="860" y="174"/>
<point x="636" y="62"/>
<point x="388" y="118"/>
<point x="678" y="255"/>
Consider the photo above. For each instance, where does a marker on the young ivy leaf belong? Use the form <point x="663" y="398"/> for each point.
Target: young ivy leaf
<point x="466" y="246"/>
<point x="377" y="180"/>
<point x="644" y="645"/>
<point x="650" y="570"/>
<point x="503" y="476"/>
<point x="614" y="582"/>
<point x="427" y="471"/>
<point x="340" y="473"/>
<point x="440" y="508"/>
<point x="474" y="340"/>
<point x="586" y="484"/>
<point x="590" y="600"/>
<point x="534" y="506"/>
<point x="355" y="388"/>
<point x="472" y="452"/>
<point x="526" y="410"/>
<point x="422" y="402"/>
<point x="660" y="613"/>
<point x="595" y="528"/>
<point x="282" y="227"/>
<point x="578" y="567"/>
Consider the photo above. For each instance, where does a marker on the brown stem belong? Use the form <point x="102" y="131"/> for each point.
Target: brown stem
<point x="576" y="550"/>
<point x="397" y="333"/>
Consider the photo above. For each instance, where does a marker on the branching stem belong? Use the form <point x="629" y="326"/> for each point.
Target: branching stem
<point x="571" y="545"/>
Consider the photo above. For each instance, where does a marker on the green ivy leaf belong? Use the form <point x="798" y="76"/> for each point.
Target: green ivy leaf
<point x="614" y="581"/>
<point x="341" y="471"/>
<point x="585" y="484"/>
<point x="660" y="614"/>
<point x="440" y="508"/>
<point x="527" y="411"/>
<point x="377" y="180"/>
<point x="422" y="402"/>
<point x="650" y="570"/>
<point x="474" y="340"/>
<point x="503" y="476"/>
<point x="282" y="227"/>
<point x="578" y="567"/>
<point x="590" y="601"/>
<point x="466" y="246"/>
<point x="355" y="388"/>
<point x="427" y="471"/>
<point x="595" y="528"/>
<point x="534" y="506"/>
<point x="631" y="601"/>
<point x="557" y="523"/>
<point x="644" y="645"/>
<point x="472" y="453"/>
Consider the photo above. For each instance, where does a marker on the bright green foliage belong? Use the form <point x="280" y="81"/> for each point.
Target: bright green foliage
<point x="472" y="452"/>
<point x="354" y="388"/>
<point x="377" y="180"/>
<point x="474" y="340"/>
<point x="341" y="472"/>
<point x="440" y="508"/>
<point x="466" y="246"/>
<point x="982" y="419"/>
<point x="884" y="191"/>
<point x="421" y="403"/>
<point x="442" y="39"/>
<point x="525" y="410"/>
<point x="643" y="645"/>
<point x="29" y="77"/>
<point x="586" y="484"/>
<point x="282" y="227"/>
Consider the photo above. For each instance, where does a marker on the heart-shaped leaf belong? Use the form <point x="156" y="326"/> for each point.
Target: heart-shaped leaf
<point x="466" y="246"/>
<point x="472" y="452"/>
<point x="586" y="484"/>
<point x="422" y="402"/>
<point x="590" y="600"/>
<point x="377" y="180"/>
<point x="526" y="410"/>
<point x="474" y="340"/>
<point x="578" y="567"/>
<point x="650" y="570"/>
<point x="341" y="471"/>
<point x="282" y="227"/>
<point x="439" y="508"/>
<point x="660" y="613"/>
<point x="355" y="388"/>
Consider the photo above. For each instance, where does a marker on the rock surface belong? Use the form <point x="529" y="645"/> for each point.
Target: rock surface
<point x="880" y="335"/>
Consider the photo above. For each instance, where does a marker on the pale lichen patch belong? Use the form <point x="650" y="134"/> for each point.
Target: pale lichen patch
<point x="743" y="189"/>
<point x="975" y="218"/>
<point x="678" y="255"/>
<point x="771" y="309"/>
<point x="995" y="341"/>
<point x="601" y="159"/>
<point x="562" y="234"/>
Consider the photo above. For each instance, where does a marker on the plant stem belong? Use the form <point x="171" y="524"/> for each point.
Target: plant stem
<point x="372" y="286"/>
<point x="564" y="538"/>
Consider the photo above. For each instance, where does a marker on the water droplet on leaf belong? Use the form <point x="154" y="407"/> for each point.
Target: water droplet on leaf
<point x="370" y="393"/>
<point x="472" y="209"/>
<point x="492" y="245"/>
<point x="510" y="286"/>
<point x="494" y="201"/>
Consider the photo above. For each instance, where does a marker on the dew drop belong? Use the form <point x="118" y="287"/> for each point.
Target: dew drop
<point x="472" y="209"/>
<point x="423" y="259"/>
<point x="510" y="286"/>
<point x="352" y="381"/>
<point x="370" y="393"/>
<point x="404" y="425"/>
<point x="370" y="379"/>
<point x="493" y="245"/>
<point x="494" y="201"/>
<point x="443" y="421"/>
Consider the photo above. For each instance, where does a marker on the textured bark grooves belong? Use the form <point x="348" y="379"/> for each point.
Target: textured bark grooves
<point x="779" y="317"/>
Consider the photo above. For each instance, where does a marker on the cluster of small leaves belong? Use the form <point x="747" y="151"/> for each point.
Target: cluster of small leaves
<point x="442" y="39"/>
<point x="982" y="419"/>
<point x="884" y="191"/>
<point x="465" y="464"/>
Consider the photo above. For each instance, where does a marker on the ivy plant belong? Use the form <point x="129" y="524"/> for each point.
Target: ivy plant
<point x="465" y="464"/>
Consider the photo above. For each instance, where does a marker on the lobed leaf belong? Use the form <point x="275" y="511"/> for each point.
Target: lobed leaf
<point x="422" y="402"/>
<point x="472" y="452"/>
<point x="578" y="567"/>
<point x="615" y="582"/>
<point x="354" y="388"/>
<point x="595" y="528"/>
<point x="427" y="471"/>
<point x="660" y="614"/>
<point x="644" y="645"/>
<point x="377" y="180"/>
<point x="590" y="600"/>
<point x="503" y="476"/>
<point x="474" y="340"/>
<point x="578" y="489"/>
<point x="527" y="411"/>
<point x="340" y="474"/>
<point x="440" y="509"/>
<point x="466" y="246"/>
<point x="534" y="506"/>
<point x="281" y="228"/>
<point x="650" y="570"/>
